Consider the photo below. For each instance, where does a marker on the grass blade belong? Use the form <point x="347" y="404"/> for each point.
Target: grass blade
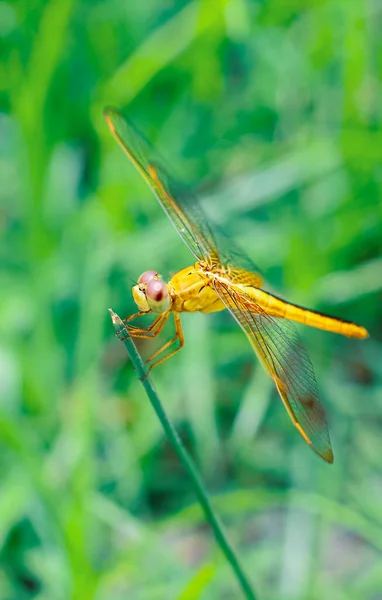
<point x="185" y="458"/>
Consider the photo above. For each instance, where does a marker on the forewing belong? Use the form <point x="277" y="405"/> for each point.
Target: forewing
<point x="207" y="243"/>
<point x="279" y="347"/>
<point x="181" y="207"/>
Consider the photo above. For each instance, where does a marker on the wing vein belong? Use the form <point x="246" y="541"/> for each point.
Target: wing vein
<point x="279" y="347"/>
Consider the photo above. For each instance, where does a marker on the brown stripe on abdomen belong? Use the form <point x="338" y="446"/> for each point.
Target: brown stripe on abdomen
<point x="279" y="308"/>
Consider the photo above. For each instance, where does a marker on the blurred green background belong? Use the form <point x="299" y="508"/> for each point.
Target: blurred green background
<point x="272" y="111"/>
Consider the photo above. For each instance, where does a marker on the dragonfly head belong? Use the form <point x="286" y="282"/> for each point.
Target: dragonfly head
<point x="151" y="293"/>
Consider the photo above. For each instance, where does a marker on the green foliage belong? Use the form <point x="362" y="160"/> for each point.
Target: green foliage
<point x="273" y="110"/>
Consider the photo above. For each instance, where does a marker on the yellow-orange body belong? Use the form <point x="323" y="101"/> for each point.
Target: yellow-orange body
<point x="192" y="290"/>
<point x="215" y="283"/>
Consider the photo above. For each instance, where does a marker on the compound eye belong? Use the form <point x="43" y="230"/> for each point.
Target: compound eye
<point x="156" y="290"/>
<point x="147" y="276"/>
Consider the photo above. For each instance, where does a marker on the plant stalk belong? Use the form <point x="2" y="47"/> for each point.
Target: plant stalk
<point x="185" y="458"/>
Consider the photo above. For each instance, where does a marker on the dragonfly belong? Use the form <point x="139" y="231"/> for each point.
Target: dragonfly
<point x="223" y="277"/>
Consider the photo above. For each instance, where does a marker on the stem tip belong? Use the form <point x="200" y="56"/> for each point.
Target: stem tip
<point x="115" y="318"/>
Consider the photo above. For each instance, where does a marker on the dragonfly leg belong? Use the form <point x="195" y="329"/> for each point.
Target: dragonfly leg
<point x="150" y="332"/>
<point x="134" y="316"/>
<point x="178" y="336"/>
<point x="151" y="327"/>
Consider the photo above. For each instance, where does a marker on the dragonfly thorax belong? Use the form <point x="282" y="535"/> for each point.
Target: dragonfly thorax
<point x="151" y="293"/>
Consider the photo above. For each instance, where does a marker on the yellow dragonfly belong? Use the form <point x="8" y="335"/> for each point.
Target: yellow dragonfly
<point x="225" y="278"/>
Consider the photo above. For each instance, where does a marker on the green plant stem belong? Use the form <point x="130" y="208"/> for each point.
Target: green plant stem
<point x="184" y="457"/>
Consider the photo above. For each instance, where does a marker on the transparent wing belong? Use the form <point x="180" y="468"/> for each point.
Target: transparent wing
<point x="181" y="206"/>
<point x="279" y="347"/>
<point x="182" y="210"/>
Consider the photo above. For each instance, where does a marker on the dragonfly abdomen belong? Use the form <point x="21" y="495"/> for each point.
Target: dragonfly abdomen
<point x="279" y="308"/>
